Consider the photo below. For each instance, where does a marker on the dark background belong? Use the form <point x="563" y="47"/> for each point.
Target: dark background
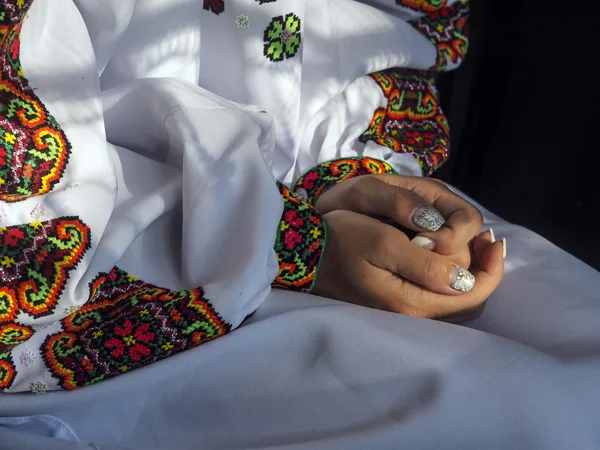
<point x="525" y="120"/>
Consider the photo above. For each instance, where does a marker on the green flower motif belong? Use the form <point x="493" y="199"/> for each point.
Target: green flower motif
<point x="282" y="37"/>
<point x="242" y="21"/>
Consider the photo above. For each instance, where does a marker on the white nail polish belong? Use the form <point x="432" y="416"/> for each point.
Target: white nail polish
<point x="492" y="235"/>
<point x="461" y="279"/>
<point x="428" y="218"/>
<point x="504" y="248"/>
<point x="424" y="242"/>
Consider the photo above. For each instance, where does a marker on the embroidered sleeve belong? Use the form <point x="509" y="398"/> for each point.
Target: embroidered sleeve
<point x="445" y="26"/>
<point x="412" y="120"/>
<point x="323" y="177"/>
<point x="299" y="243"/>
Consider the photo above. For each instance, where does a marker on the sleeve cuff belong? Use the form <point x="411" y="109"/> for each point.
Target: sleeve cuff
<point x="299" y="243"/>
<point x="324" y="176"/>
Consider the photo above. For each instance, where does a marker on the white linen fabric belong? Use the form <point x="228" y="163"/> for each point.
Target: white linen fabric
<point x="173" y="172"/>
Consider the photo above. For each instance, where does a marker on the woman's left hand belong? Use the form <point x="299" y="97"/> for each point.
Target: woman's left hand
<point x="445" y="222"/>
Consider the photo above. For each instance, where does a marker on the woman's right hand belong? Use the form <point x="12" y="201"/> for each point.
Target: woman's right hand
<point x="370" y="263"/>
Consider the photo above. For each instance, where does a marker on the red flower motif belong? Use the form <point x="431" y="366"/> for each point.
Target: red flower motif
<point x="315" y="219"/>
<point x="292" y="238"/>
<point x="292" y="218"/>
<point x="137" y="351"/>
<point x="132" y="342"/>
<point x="118" y="348"/>
<point x="309" y="180"/>
<point x="87" y="364"/>
<point x="125" y="329"/>
<point x="13" y="236"/>
<point x="419" y="139"/>
<point x="143" y="335"/>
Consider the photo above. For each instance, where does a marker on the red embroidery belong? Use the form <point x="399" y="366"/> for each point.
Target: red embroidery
<point x="128" y="324"/>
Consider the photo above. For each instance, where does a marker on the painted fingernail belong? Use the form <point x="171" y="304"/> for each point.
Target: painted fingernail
<point x="428" y="217"/>
<point x="461" y="279"/>
<point x="424" y="242"/>
<point x="492" y="235"/>
<point x="504" y="248"/>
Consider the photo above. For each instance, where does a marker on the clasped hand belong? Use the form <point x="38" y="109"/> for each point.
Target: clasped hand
<point x="447" y="271"/>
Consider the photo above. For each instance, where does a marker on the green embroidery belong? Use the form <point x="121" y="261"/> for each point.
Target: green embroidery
<point x="324" y="176"/>
<point x="299" y="243"/>
<point x="282" y="37"/>
<point x="242" y="21"/>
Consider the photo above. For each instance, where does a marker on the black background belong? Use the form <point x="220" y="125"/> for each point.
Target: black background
<point x="524" y="114"/>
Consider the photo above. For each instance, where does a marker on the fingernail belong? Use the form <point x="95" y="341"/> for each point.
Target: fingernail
<point x="428" y="217"/>
<point x="492" y="235"/>
<point x="424" y="242"/>
<point x="504" y="248"/>
<point x="461" y="279"/>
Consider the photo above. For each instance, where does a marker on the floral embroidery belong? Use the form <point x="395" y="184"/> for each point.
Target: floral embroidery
<point x="282" y="37"/>
<point x="128" y="324"/>
<point x="447" y="28"/>
<point x="299" y="243"/>
<point x="412" y="122"/>
<point x="324" y="176"/>
<point x="216" y="6"/>
<point x="242" y="21"/>
<point x="38" y="212"/>
<point x="34" y="150"/>
<point x="35" y="261"/>
<point x="38" y="387"/>
<point x="28" y="357"/>
<point x="423" y="5"/>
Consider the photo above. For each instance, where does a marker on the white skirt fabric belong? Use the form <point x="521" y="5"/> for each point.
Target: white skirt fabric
<point x="177" y="185"/>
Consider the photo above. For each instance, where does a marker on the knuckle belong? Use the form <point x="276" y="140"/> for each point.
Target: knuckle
<point x="353" y="199"/>
<point x="438" y="182"/>
<point x="451" y="239"/>
<point x="381" y="242"/>
<point x="475" y="216"/>
<point x="434" y="271"/>
<point x="359" y="192"/>
<point x="386" y="239"/>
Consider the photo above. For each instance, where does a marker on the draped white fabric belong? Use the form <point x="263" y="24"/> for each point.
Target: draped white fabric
<point x="177" y="185"/>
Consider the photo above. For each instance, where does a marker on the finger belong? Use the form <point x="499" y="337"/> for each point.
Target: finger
<point x="462" y="258"/>
<point x="434" y="272"/>
<point x="462" y="224"/>
<point x="409" y="298"/>
<point x="463" y="220"/>
<point x="459" y="229"/>
<point x="462" y="318"/>
<point x="374" y="197"/>
<point x="482" y="241"/>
